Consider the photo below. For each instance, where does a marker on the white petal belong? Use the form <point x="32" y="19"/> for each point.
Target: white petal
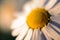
<point x="56" y="19"/>
<point x="22" y="33"/>
<point x="27" y="8"/>
<point x="53" y="34"/>
<point x="38" y="3"/>
<point x="55" y="10"/>
<point x="58" y="29"/>
<point x="18" y="22"/>
<point x="29" y="35"/>
<point x="32" y="5"/>
<point x="36" y="35"/>
<point x="50" y="4"/>
<point x="46" y="34"/>
<point x="16" y="31"/>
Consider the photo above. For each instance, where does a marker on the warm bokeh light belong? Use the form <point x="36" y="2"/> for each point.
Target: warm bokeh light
<point x="7" y="12"/>
<point x="7" y="15"/>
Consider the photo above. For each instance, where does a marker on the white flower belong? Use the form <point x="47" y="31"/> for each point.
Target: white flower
<point x="29" y="26"/>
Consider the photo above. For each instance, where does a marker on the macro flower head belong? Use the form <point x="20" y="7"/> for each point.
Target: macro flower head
<point x="37" y="18"/>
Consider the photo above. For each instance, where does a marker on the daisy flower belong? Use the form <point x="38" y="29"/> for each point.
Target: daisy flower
<point x="39" y="17"/>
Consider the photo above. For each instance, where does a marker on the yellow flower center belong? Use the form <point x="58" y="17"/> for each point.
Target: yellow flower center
<point x="38" y="18"/>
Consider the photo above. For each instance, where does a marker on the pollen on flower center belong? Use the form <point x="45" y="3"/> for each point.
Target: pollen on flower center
<point x="38" y="18"/>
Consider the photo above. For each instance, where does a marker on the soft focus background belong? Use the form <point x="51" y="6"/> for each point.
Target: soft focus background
<point x="7" y="15"/>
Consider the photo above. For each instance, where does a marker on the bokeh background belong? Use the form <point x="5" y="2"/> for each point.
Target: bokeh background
<point x="7" y="15"/>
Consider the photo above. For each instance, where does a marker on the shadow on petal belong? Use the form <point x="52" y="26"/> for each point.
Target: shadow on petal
<point x="54" y="23"/>
<point x="56" y="3"/>
<point x="43" y="37"/>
